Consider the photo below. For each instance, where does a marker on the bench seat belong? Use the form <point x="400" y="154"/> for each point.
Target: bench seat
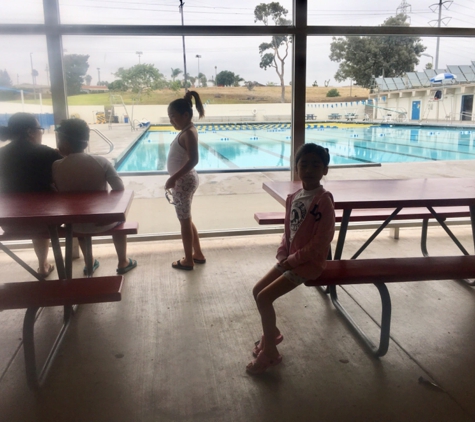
<point x="127" y="227"/>
<point x="377" y="214"/>
<point x="389" y="270"/>
<point x="34" y="295"/>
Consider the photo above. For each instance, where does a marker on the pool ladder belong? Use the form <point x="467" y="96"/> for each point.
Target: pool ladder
<point x="105" y="138"/>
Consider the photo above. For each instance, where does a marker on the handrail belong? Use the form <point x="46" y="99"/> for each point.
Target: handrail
<point x="105" y="138"/>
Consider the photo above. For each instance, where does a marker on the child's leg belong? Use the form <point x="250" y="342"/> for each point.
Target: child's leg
<point x="82" y="245"/>
<point x="120" y="244"/>
<point x="187" y="239"/>
<point x="41" y="247"/>
<point x="197" y="252"/>
<point x="265" y="298"/>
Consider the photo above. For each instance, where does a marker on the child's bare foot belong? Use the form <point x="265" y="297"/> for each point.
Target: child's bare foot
<point x="259" y="345"/>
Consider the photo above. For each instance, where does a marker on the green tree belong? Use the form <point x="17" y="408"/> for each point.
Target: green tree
<point x="75" y="68"/>
<point x="117" y="85"/>
<point x="275" y="53"/>
<point x="362" y="58"/>
<point x="175" y="73"/>
<point x="226" y="78"/>
<point x="202" y="79"/>
<point x="141" y="78"/>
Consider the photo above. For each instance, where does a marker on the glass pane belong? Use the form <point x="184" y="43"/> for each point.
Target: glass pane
<point x="245" y="128"/>
<point x="362" y="120"/>
<point x="24" y="77"/>
<point x="148" y="12"/>
<point x="420" y="13"/>
<point x="23" y="11"/>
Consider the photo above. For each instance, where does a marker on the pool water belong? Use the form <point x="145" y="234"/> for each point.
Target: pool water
<point x="267" y="146"/>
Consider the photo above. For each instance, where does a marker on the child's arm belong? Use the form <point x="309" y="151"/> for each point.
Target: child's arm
<point x="283" y="250"/>
<point x="317" y="249"/>
<point x="190" y="143"/>
<point x="114" y="180"/>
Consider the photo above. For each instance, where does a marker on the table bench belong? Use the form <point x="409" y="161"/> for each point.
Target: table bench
<point x="389" y="270"/>
<point x="33" y="295"/>
<point x="382" y="214"/>
<point x="125" y="228"/>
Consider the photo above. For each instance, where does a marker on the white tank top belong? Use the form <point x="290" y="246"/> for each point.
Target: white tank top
<point x="177" y="156"/>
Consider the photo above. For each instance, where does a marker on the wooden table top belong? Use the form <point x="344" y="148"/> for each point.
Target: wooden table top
<point x="65" y="207"/>
<point x="388" y="193"/>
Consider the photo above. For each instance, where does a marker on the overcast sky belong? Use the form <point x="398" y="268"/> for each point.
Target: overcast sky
<point x="236" y="54"/>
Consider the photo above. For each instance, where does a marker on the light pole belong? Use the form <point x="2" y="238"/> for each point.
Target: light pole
<point x="431" y="58"/>
<point x="98" y="75"/>
<point x="139" y="53"/>
<point x="33" y="74"/>
<point x="198" y="57"/>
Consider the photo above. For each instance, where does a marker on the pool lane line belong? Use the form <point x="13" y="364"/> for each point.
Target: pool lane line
<point x="220" y="156"/>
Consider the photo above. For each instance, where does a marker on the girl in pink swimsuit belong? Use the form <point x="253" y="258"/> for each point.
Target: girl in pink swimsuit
<point x="183" y="181"/>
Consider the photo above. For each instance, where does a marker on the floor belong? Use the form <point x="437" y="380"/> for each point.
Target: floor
<point x="176" y="346"/>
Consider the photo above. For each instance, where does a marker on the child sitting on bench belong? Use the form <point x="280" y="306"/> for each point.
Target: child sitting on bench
<point x="80" y="171"/>
<point x="309" y="227"/>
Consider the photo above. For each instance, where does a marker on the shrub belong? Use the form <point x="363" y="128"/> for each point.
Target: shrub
<point x="333" y="93"/>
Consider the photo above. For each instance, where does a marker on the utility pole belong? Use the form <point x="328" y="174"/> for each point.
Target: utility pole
<point x="98" y="75"/>
<point x="33" y="74"/>
<point x="440" y="20"/>
<point x="404" y="9"/>
<point x="198" y="57"/>
<point x="183" y="41"/>
<point x="139" y="53"/>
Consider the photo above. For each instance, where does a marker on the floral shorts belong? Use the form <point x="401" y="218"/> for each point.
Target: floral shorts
<point x="290" y="275"/>
<point x="183" y="194"/>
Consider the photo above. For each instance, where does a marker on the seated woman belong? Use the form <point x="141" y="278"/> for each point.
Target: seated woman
<point x="25" y="166"/>
<point x="80" y="171"/>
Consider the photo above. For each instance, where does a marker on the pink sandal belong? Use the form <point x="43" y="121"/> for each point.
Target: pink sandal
<point x="262" y="363"/>
<point x="258" y="349"/>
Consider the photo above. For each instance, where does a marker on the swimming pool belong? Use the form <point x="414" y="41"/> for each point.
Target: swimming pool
<point x="246" y="147"/>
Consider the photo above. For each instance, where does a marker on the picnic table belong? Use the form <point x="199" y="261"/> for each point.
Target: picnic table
<point x="53" y="209"/>
<point x="334" y="116"/>
<point x="392" y="194"/>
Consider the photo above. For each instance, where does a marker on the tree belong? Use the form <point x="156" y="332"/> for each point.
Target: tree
<point x="75" y="68"/>
<point x="333" y="93"/>
<point x="7" y="92"/>
<point x="275" y="53"/>
<point x="365" y="58"/>
<point x="141" y="77"/>
<point x="88" y="79"/>
<point x="117" y="85"/>
<point x="202" y="78"/>
<point x="227" y="78"/>
<point x="175" y="73"/>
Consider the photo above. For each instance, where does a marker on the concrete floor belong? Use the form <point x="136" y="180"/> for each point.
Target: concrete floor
<point x="176" y="346"/>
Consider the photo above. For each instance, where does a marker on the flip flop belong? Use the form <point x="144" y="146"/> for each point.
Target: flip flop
<point x="94" y="267"/>
<point x="179" y="266"/>
<point x="262" y="363"/>
<point x="50" y="270"/>
<point x="131" y="266"/>
<point x="199" y="261"/>
<point x="258" y="348"/>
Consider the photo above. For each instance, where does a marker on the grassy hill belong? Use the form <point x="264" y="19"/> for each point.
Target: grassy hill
<point x="221" y="95"/>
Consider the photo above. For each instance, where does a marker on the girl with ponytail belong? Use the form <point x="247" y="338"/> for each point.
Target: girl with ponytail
<point x="183" y="181"/>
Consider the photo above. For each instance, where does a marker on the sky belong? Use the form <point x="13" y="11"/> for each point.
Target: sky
<point x="236" y="54"/>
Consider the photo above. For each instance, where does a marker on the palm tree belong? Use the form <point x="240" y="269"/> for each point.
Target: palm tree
<point x="175" y="73"/>
<point x="237" y="79"/>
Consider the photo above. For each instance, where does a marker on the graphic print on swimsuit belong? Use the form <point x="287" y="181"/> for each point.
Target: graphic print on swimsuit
<point x="297" y="215"/>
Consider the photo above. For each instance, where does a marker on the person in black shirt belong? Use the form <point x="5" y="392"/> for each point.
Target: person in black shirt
<point x="26" y="166"/>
